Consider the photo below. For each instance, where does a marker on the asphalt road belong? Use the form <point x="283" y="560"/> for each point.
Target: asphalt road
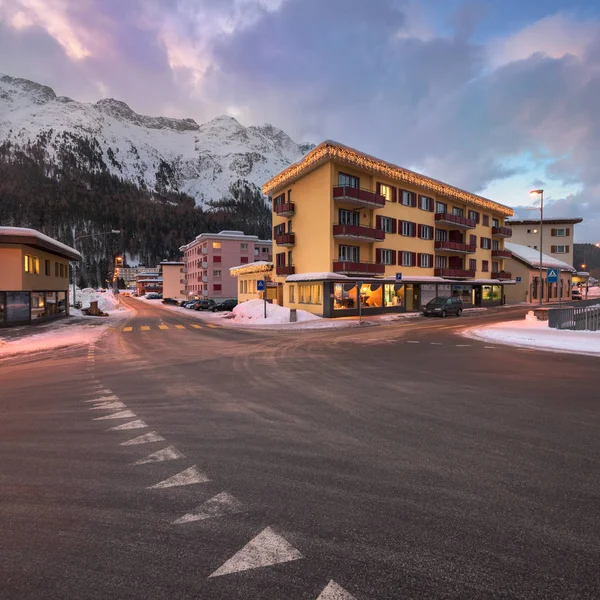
<point x="391" y="462"/>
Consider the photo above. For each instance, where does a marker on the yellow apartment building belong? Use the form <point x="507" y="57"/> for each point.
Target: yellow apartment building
<point x="34" y="276"/>
<point x="173" y="279"/>
<point x="350" y="228"/>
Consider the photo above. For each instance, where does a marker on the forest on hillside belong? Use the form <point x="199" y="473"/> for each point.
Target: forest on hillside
<point x="64" y="201"/>
<point x="588" y="255"/>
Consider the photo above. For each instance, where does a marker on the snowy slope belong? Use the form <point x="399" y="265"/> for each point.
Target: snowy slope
<point x="176" y="154"/>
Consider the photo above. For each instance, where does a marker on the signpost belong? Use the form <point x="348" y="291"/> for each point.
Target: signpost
<point x="398" y="276"/>
<point x="261" y="286"/>
<point x="519" y="279"/>
<point x="552" y="276"/>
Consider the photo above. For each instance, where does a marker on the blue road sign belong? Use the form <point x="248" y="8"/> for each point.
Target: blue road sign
<point x="398" y="276"/>
<point x="260" y="285"/>
<point x="519" y="279"/>
<point x="552" y="275"/>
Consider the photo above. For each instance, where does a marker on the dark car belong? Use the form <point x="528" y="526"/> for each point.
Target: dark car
<point x="442" y="306"/>
<point x="153" y="296"/>
<point x="225" y="305"/>
<point x="204" y="305"/>
<point x="170" y="301"/>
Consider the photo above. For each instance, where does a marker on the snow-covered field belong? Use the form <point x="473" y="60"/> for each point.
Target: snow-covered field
<point x="531" y="333"/>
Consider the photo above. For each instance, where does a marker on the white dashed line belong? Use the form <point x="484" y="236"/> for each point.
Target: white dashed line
<point x="111" y="398"/>
<point x="108" y="406"/>
<point x="218" y="506"/>
<point x="146" y="438"/>
<point x="187" y="477"/>
<point x="124" y="414"/>
<point x="131" y="425"/>
<point x="412" y="342"/>
<point x="490" y="347"/>
<point x="333" y="591"/>
<point x="168" y="453"/>
<point x="435" y="343"/>
<point x="463" y="345"/>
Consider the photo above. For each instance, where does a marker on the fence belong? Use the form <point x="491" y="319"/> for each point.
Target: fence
<point x="584" y="317"/>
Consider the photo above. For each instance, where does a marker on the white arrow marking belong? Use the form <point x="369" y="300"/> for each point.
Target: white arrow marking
<point x="111" y="398"/>
<point x="187" y="477"/>
<point x="218" y="506"/>
<point x="124" y="414"/>
<point x="168" y="453"/>
<point x="333" y="591"/>
<point x="152" y="436"/>
<point x="108" y="406"/>
<point x="131" y="425"/>
<point x="267" y="548"/>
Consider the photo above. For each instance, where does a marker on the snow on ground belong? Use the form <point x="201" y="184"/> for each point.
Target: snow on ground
<point x="107" y="301"/>
<point x="253" y="311"/>
<point x="531" y="333"/>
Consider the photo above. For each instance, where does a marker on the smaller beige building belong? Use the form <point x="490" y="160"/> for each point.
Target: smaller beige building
<point x="173" y="279"/>
<point x="247" y="278"/>
<point x="524" y="267"/>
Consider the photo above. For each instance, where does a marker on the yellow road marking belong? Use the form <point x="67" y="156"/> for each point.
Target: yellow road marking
<point x="145" y="328"/>
<point x="163" y="327"/>
<point x="180" y="326"/>
<point x="127" y="328"/>
<point x="197" y="326"/>
<point x="212" y="326"/>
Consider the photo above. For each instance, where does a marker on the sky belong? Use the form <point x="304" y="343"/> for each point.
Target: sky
<point x="494" y="96"/>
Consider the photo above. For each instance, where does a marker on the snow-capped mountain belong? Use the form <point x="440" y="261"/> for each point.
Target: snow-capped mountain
<point x="153" y="152"/>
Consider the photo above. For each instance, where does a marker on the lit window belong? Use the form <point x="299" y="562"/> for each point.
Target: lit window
<point x="216" y="245"/>
<point x="291" y="294"/>
<point x="28" y="264"/>
<point x="386" y="192"/>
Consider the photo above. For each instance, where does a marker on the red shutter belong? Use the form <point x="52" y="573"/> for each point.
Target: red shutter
<point x="413" y="259"/>
<point x="568" y="231"/>
<point x="413" y="199"/>
<point x="481" y="242"/>
<point x="432" y="260"/>
<point x="472" y="240"/>
<point x="394" y="194"/>
<point x="378" y="255"/>
<point x="419" y="230"/>
<point x="477" y="217"/>
<point x="244" y="260"/>
<point x="418" y="263"/>
<point x="217" y="287"/>
<point x="378" y="222"/>
<point x="553" y="232"/>
<point x="378" y="188"/>
<point x="217" y="259"/>
<point x="394" y="225"/>
<point x="413" y="229"/>
<point x="553" y="249"/>
<point x="567" y="248"/>
<point x="394" y="257"/>
<point x="431" y="205"/>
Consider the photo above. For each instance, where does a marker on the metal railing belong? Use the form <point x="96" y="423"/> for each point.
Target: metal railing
<point x="583" y="317"/>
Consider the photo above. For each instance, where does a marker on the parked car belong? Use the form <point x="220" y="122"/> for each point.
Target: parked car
<point x="442" y="306"/>
<point x="225" y="305"/>
<point x="576" y="295"/>
<point x="153" y="296"/>
<point x="190" y="304"/>
<point x="204" y="304"/>
<point x="170" y="301"/>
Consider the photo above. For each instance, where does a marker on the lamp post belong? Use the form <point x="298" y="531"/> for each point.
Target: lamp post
<point x="80" y="237"/>
<point x="540" y="193"/>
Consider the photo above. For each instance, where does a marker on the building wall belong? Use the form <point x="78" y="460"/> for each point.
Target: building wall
<point x="524" y="235"/>
<point x="11" y="267"/>
<point x="522" y="290"/>
<point x="172" y="276"/>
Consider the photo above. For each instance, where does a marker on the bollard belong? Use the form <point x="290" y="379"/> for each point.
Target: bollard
<point x="293" y="315"/>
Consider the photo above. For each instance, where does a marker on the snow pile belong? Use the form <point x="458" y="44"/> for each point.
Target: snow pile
<point x="253" y="312"/>
<point x="106" y="299"/>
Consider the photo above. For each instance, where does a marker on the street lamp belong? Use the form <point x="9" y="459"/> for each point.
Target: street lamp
<point x="540" y="193"/>
<point x="80" y="237"/>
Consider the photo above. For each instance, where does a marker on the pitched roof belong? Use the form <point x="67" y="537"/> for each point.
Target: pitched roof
<point x="572" y="221"/>
<point x="531" y="257"/>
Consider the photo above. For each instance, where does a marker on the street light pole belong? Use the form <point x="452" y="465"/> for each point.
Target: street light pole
<point x="541" y="195"/>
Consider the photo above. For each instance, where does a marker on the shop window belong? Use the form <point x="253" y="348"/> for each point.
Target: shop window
<point x="2" y="307"/>
<point x="393" y="294"/>
<point x="17" y="306"/>
<point x="345" y="296"/>
<point x="464" y="292"/>
<point x="371" y="295"/>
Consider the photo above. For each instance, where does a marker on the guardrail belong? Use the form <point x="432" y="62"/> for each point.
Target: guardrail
<point x="583" y="317"/>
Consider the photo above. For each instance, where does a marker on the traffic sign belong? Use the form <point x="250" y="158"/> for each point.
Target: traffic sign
<point x="519" y="279"/>
<point x="398" y="276"/>
<point x="552" y="275"/>
<point x="260" y="285"/>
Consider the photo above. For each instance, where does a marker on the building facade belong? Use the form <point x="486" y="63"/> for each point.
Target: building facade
<point x="351" y="228"/>
<point x="173" y="279"/>
<point x="248" y="277"/>
<point x="148" y="280"/>
<point x="557" y="236"/>
<point x="34" y="276"/>
<point x="210" y="256"/>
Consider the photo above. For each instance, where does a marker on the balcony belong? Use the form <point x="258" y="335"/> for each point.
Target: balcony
<point x="455" y="273"/>
<point x="459" y="222"/>
<point x="358" y="197"/>
<point x="285" y="270"/>
<point x="204" y="279"/>
<point x="184" y="270"/>
<point x="204" y="264"/>
<point x="183" y="281"/>
<point x="204" y="250"/>
<point x="501" y="254"/>
<point x="454" y="247"/>
<point x="503" y="232"/>
<point x="501" y="275"/>
<point x="348" y="267"/>
<point x="287" y="209"/>
<point x="285" y="239"/>
<point x="357" y="232"/>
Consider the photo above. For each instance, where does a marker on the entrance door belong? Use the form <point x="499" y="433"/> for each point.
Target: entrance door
<point x="477" y="295"/>
<point x="409" y="296"/>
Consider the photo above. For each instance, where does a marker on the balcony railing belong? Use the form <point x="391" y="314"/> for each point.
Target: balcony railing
<point x="453" y="247"/>
<point x="204" y="264"/>
<point x="501" y="275"/>
<point x="285" y="239"/>
<point x="501" y="254"/>
<point x="457" y="221"/>
<point x="204" y="279"/>
<point x="284" y="270"/>
<point x="504" y="232"/>
<point x="348" y="267"/>
<point x="358" y="197"/>
<point x="342" y="230"/>
<point x="455" y="273"/>
<point x="204" y="250"/>
<point x="287" y="209"/>
<point x="183" y="281"/>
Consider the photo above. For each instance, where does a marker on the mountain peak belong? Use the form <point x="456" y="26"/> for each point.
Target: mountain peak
<point x="36" y="92"/>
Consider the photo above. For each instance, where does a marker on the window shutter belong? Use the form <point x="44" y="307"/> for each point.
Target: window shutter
<point x="413" y="229"/>
<point x="553" y="249"/>
<point x="413" y="259"/>
<point x="477" y="217"/>
<point x="413" y="199"/>
<point x="567" y="248"/>
<point x="553" y="232"/>
<point x="378" y="256"/>
<point x="394" y="194"/>
<point x="419" y="230"/>
<point x="472" y="240"/>
<point x="394" y="225"/>
<point x="394" y="257"/>
<point x="481" y="242"/>
<point x="431" y="205"/>
<point x="378" y="188"/>
<point x="378" y="222"/>
<point x="568" y="231"/>
<point x="419" y="255"/>
<point x="431" y="260"/>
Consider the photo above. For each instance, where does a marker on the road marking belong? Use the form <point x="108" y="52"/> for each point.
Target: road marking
<point x="187" y="477"/>
<point x="412" y="342"/>
<point x="435" y="343"/>
<point x="127" y="328"/>
<point x="131" y="425"/>
<point x="212" y="326"/>
<point x="266" y="549"/>
<point x="526" y="349"/>
<point x="218" y="506"/>
<point x="179" y="326"/>
<point x="490" y="347"/>
<point x="146" y="438"/>
<point x="197" y="326"/>
<point x="108" y="406"/>
<point x="333" y="591"/>
<point x="124" y="414"/>
<point x="110" y="398"/>
<point x="463" y="345"/>
<point x="163" y="327"/>
<point x="145" y="328"/>
<point x="168" y="453"/>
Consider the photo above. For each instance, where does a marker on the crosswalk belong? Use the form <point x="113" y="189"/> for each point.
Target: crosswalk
<point x="166" y="326"/>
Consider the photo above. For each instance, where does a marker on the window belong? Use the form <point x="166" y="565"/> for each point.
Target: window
<point x="495" y="245"/>
<point x="217" y="259"/>
<point x="280" y="259"/>
<point x="472" y="240"/>
<point x="408" y="198"/>
<point x="495" y="223"/>
<point x="474" y="216"/>
<point x="265" y="250"/>
<point x="385" y="191"/>
<point x="426" y="261"/>
<point x="244" y="247"/>
<point x="28" y="264"/>
<point x="55" y="269"/>
<point x="409" y="228"/>
<point x="216" y="245"/>
<point x="36" y="265"/>
<point x="347" y="180"/>
<point x="472" y="264"/>
<point x="241" y="286"/>
<point x="386" y="257"/>
<point x="217" y="287"/>
<point x="486" y="220"/>
<point x="441" y="235"/>
<point x="495" y="267"/>
<point x="408" y="259"/>
<point x="458" y="212"/>
<point x="486" y="243"/>
<point x="426" y="232"/>
<point x="559" y="249"/>
<point x="393" y="294"/>
<point x="441" y="262"/>
<point x="243" y="260"/>
<point x="426" y="203"/>
<point x="47" y="266"/>
<point x="310" y="293"/>
<point x="349" y="217"/>
<point x="62" y="270"/>
<point x="559" y="232"/>
<point x="291" y="293"/>
<point x="387" y="224"/>
<point x="441" y="207"/>
<point x="217" y="273"/>
<point x="485" y="266"/>
<point x="350" y="253"/>
<point x="289" y="196"/>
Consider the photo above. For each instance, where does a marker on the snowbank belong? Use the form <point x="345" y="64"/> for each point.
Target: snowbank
<point x="253" y="312"/>
<point x="531" y="333"/>
<point x="107" y="302"/>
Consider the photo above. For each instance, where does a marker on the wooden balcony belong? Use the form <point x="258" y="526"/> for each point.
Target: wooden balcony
<point x="358" y="197"/>
<point x="454" y="247"/>
<point x="348" y="267"/>
<point x="285" y="270"/>
<point x="501" y="275"/>
<point x="454" y="220"/>
<point x="286" y="209"/>
<point x="285" y="239"/>
<point x="357" y="232"/>
<point x="503" y="232"/>
<point x="501" y="254"/>
<point x="455" y="273"/>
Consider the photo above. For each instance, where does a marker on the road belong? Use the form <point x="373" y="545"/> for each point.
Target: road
<point x="392" y="462"/>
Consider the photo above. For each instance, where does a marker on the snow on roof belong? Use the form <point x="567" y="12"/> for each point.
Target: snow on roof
<point x="315" y="276"/>
<point x="407" y="279"/>
<point x="563" y="221"/>
<point x="531" y="257"/>
<point x="253" y="267"/>
<point x="171" y="262"/>
<point x="24" y="235"/>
